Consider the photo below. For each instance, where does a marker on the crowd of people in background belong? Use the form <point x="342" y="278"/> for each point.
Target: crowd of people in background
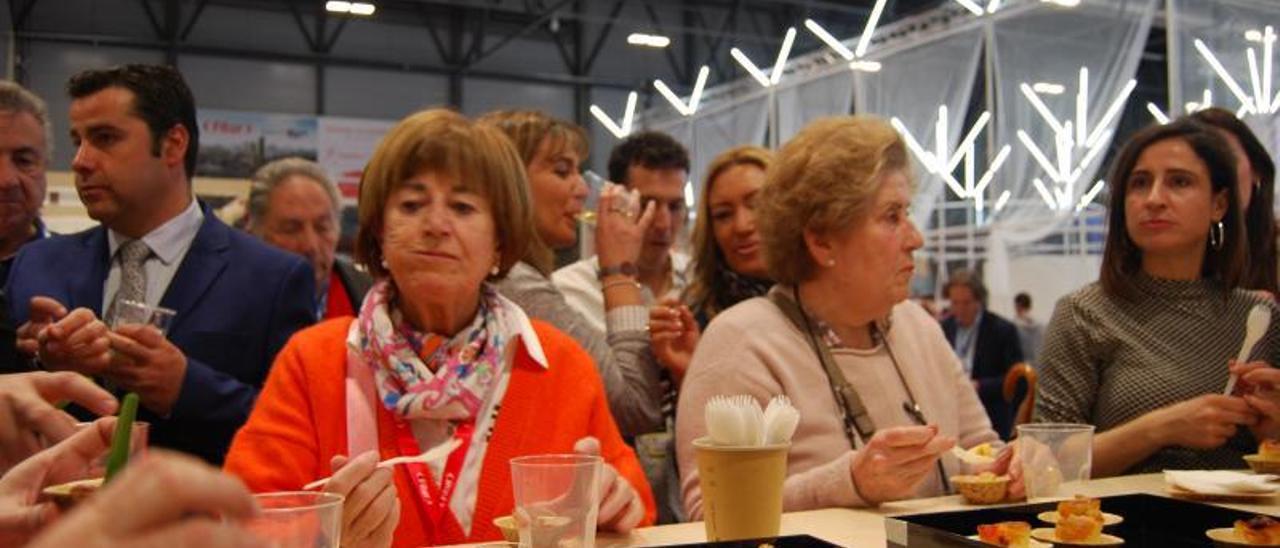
<point x="450" y="323"/>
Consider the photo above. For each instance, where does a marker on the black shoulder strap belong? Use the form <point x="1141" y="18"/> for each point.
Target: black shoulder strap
<point x="852" y="410"/>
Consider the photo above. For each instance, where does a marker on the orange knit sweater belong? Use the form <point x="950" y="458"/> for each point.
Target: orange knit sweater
<point x="299" y="423"/>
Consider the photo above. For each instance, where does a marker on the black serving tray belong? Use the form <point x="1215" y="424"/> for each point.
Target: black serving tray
<point x="790" y="541"/>
<point x="1149" y="522"/>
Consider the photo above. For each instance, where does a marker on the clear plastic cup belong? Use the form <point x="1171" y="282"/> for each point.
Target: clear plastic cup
<point x="556" y="499"/>
<point x="128" y="312"/>
<point x="298" y="519"/>
<point x="1054" y="455"/>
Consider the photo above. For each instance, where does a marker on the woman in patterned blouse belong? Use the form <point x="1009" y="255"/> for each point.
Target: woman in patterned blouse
<point x="1143" y="353"/>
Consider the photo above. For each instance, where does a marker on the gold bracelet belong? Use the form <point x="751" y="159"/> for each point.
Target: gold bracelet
<point x="617" y="283"/>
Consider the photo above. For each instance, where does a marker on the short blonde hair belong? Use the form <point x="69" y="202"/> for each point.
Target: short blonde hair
<point x="443" y="142"/>
<point x="708" y="257"/>
<point x="824" y="180"/>
<point x="528" y="129"/>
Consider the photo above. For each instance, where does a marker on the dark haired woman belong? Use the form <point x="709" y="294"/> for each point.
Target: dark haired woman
<point x="1143" y="352"/>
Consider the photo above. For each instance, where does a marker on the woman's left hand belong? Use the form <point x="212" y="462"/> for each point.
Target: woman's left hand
<point x="1259" y="385"/>
<point x="620" y="506"/>
<point x="371" y="510"/>
<point x="673" y="334"/>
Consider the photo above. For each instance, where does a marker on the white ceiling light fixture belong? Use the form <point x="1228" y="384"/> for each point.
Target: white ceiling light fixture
<point x="865" y="66"/>
<point x="1090" y="195"/>
<point x="1048" y="88"/>
<point x="975" y="8"/>
<point x="1002" y="200"/>
<point x="775" y="74"/>
<point x="828" y="39"/>
<point x="750" y="67"/>
<point x="353" y="8"/>
<point x="1257" y="99"/>
<point x="622" y="130"/>
<point x="972" y="6"/>
<point x="864" y="41"/>
<point x="943" y="162"/>
<point x="1206" y="101"/>
<point x="1063" y="3"/>
<point x="686" y="109"/>
<point x="1159" y="115"/>
<point x="648" y="40"/>
<point x="1076" y="145"/>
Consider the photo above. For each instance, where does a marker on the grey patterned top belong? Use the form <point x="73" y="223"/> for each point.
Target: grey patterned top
<point x="631" y="374"/>
<point x="1107" y="361"/>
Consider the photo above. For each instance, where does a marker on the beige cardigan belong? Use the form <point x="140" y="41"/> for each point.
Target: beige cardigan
<point x="753" y="349"/>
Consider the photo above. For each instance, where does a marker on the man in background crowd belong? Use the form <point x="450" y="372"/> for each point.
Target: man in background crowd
<point x="657" y="166"/>
<point x="235" y="300"/>
<point x="1030" y="331"/>
<point x="25" y="149"/>
<point x="986" y="343"/>
<point x="294" y="206"/>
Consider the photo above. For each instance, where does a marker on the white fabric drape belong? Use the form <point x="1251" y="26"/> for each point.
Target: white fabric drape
<point x="826" y="95"/>
<point x="1050" y="45"/>
<point x="714" y="129"/>
<point x="1222" y="25"/>
<point x="911" y="85"/>
<point x="743" y="123"/>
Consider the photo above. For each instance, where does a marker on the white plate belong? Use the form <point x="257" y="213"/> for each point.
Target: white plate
<point x="1047" y="534"/>
<point x="1107" y="518"/>
<point x="1030" y="543"/>
<point x="1227" y="535"/>
<point x="1254" y="498"/>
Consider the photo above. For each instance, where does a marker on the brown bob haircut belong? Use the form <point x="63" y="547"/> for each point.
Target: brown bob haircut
<point x="1122" y="259"/>
<point x="823" y="180"/>
<point x="439" y="141"/>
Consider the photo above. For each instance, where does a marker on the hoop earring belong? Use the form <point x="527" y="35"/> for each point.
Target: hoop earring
<point x="1217" y="235"/>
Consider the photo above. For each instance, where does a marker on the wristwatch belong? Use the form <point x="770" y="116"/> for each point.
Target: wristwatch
<point x="625" y="268"/>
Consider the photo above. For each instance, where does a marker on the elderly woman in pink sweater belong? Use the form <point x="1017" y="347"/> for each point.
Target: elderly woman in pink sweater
<point x="839" y="241"/>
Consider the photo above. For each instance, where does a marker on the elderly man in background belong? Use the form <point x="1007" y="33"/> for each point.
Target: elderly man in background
<point x="294" y="206"/>
<point x="25" y="137"/>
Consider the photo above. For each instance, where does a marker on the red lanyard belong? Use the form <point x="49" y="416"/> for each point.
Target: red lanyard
<point x="433" y="499"/>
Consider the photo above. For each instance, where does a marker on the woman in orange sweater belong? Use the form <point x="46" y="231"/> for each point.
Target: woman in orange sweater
<point x="435" y="355"/>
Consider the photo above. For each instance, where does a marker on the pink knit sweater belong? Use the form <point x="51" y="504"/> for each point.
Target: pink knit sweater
<point x="753" y="349"/>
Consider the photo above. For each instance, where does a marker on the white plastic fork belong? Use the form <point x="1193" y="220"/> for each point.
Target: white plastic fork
<point x="431" y="455"/>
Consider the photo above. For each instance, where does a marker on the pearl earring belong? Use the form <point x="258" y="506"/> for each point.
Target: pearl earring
<point x="494" y="271"/>
<point x="831" y="262"/>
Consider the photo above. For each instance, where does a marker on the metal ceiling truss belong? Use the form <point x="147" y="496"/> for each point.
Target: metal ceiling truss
<point x="467" y="32"/>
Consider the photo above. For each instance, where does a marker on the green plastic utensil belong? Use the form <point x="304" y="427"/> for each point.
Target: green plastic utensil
<point x="120" y="439"/>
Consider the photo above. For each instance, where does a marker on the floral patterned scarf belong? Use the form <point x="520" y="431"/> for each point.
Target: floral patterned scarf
<point x="428" y="376"/>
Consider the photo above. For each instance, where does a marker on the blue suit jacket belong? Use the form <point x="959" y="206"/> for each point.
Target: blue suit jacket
<point x="997" y="350"/>
<point x="237" y="302"/>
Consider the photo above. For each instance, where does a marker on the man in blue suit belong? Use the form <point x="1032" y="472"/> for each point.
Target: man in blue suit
<point x="987" y="345"/>
<point x="236" y="300"/>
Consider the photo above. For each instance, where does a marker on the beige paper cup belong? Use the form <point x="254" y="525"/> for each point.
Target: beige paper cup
<point x="741" y="489"/>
